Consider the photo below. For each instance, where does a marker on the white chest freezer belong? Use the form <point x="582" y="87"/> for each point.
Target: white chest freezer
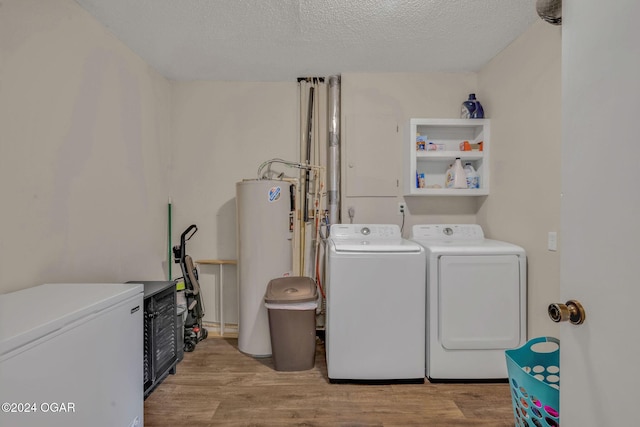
<point x="71" y="355"/>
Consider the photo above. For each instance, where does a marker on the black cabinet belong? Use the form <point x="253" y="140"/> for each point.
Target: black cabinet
<point x="161" y="332"/>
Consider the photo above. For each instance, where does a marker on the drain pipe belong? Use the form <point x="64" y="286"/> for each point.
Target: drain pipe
<point x="333" y="150"/>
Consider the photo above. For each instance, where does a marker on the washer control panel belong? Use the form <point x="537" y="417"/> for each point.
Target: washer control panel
<point x="447" y="232"/>
<point x="360" y="231"/>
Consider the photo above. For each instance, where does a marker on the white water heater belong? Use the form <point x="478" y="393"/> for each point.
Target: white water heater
<point x="264" y="253"/>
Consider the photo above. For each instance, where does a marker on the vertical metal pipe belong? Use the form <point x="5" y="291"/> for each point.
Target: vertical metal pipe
<point x="333" y="150"/>
<point x="308" y="154"/>
<point x="170" y="247"/>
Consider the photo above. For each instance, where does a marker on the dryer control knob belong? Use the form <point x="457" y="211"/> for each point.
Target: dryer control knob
<point x="365" y="230"/>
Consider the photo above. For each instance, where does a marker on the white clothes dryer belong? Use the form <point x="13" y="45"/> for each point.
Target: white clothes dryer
<point x="375" y="329"/>
<point x="476" y="301"/>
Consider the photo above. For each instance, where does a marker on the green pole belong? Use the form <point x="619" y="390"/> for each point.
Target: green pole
<point x="169" y="259"/>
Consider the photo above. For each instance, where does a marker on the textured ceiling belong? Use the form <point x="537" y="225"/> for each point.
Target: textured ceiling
<point x="280" y="40"/>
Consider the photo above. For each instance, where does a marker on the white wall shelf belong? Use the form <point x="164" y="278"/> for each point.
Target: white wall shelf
<point x="434" y="164"/>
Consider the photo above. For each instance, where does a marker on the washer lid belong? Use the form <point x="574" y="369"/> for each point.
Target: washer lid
<point x="370" y="238"/>
<point x="376" y="245"/>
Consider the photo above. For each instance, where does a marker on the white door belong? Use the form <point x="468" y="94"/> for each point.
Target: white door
<point x="600" y="225"/>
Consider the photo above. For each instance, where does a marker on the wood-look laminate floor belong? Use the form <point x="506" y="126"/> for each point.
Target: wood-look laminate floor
<point x="217" y="385"/>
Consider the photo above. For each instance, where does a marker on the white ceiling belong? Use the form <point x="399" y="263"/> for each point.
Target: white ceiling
<point x="280" y="40"/>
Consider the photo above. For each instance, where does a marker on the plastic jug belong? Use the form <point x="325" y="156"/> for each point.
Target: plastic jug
<point x="478" y="113"/>
<point x="468" y="107"/>
<point x="471" y="108"/>
<point x="459" y="177"/>
<point x="448" y="182"/>
<point x="473" y="179"/>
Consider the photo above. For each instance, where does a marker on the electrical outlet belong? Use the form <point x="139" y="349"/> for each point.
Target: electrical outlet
<point x="402" y="208"/>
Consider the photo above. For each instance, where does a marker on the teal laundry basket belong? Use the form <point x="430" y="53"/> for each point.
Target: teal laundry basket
<point x="534" y="377"/>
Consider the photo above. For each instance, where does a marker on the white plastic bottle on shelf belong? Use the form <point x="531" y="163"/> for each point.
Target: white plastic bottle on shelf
<point x="459" y="177"/>
<point x="449" y="177"/>
<point x="473" y="179"/>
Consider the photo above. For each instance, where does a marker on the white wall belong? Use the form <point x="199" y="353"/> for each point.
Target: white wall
<point x="84" y="133"/>
<point x="221" y="133"/>
<point x="371" y="99"/>
<point x="521" y="92"/>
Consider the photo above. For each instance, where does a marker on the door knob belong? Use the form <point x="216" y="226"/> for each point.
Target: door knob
<point x="572" y="311"/>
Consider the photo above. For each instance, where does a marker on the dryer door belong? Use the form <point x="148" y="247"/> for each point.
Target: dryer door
<point x="479" y="302"/>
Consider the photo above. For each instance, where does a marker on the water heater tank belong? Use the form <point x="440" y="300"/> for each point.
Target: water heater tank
<point x="264" y="253"/>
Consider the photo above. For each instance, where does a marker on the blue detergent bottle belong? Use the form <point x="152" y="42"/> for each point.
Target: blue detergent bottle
<point x="479" y="111"/>
<point x="468" y="107"/>
<point x="471" y="108"/>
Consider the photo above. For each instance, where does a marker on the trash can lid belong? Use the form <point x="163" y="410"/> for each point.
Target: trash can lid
<point x="291" y="289"/>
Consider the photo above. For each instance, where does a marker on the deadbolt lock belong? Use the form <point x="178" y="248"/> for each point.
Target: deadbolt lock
<point x="571" y="311"/>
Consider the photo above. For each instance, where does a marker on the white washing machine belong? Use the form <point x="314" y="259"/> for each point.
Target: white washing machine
<point x="375" y="329"/>
<point x="476" y="301"/>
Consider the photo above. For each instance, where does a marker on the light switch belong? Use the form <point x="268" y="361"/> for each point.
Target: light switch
<point x="552" y="241"/>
